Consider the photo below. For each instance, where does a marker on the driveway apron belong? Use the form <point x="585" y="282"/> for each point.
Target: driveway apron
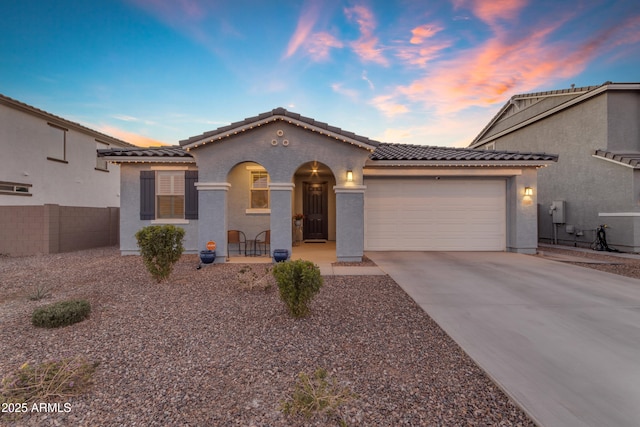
<point x="562" y="341"/>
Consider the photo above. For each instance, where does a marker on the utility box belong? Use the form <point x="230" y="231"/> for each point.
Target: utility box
<point x="557" y="211"/>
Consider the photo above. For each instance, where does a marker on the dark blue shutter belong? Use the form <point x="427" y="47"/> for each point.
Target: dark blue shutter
<point x="147" y="195"/>
<point x="190" y="195"/>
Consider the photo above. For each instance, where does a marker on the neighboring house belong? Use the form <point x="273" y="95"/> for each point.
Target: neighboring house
<point x="254" y="175"/>
<point x="595" y="131"/>
<point x="56" y="195"/>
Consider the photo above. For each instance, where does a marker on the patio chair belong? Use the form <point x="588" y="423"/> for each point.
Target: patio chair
<point x="237" y="237"/>
<point x="262" y="242"/>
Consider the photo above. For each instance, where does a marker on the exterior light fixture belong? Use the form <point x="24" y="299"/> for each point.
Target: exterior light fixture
<point x="350" y="176"/>
<point x="528" y="191"/>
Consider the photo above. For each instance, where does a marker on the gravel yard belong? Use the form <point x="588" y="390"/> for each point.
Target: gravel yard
<point x="200" y="350"/>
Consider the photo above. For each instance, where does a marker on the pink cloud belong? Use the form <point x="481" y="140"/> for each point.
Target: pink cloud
<point x="319" y="45"/>
<point x="305" y="25"/>
<point x="388" y="106"/>
<point x="366" y="47"/>
<point x="505" y="65"/>
<point x="423" y="32"/>
<point x="130" y="137"/>
<point x="492" y="10"/>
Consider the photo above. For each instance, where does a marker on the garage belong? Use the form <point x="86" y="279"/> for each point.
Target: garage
<point x="428" y="214"/>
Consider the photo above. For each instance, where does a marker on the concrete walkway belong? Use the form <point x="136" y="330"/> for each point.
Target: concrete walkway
<point x="563" y="341"/>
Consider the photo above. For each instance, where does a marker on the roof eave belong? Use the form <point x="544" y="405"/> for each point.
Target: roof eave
<point x="57" y="120"/>
<point x="583" y="96"/>
<point x="457" y="163"/>
<point x="149" y="159"/>
<point x="611" y="157"/>
<point x="227" y="133"/>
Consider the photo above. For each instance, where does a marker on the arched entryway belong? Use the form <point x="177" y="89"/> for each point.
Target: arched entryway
<point x="248" y="209"/>
<point x="314" y="198"/>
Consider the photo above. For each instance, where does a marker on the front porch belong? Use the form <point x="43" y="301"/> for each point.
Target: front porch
<point x="319" y="253"/>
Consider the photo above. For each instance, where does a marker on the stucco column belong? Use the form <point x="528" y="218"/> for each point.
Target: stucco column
<point x="212" y="216"/>
<point x="522" y="213"/>
<point x="349" y="222"/>
<point x="280" y="194"/>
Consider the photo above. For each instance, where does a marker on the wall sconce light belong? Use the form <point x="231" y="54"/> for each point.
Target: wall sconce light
<point x="528" y="191"/>
<point x="350" y="176"/>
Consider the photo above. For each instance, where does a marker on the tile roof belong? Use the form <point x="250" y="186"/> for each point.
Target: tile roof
<point x="275" y="114"/>
<point x="386" y="151"/>
<point x="171" y="151"/>
<point x="630" y="159"/>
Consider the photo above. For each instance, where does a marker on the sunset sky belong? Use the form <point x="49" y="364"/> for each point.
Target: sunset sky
<point x="420" y="72"/>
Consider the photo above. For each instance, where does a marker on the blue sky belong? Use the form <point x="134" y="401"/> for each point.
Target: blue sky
<point x="419" y="72"/>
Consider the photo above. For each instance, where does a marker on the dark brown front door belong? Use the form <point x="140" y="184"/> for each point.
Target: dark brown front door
<point x="315" y="210"/>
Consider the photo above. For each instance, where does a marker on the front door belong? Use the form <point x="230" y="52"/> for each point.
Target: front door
<point x="315" y="211"/>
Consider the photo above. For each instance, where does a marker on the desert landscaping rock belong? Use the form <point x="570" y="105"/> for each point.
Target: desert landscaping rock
<point x="200" y="350"/>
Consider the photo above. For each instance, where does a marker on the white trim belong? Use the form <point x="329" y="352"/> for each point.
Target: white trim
<point x="119" y="159"/>
<point x="281" y="186"/>
<point x="170" y="221"/>
<point x="479" y="172"/>
<point x="207" y="186"/>
<point x="169" y="168"/>
<point x="614" y="161"/>
<point x="619" y="214"/>
<point x="349" y="189"/>
<point x="258" y="211"/>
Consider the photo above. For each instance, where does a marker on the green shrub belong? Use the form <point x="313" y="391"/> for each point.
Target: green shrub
<point x="55" y="379"/>
<point x="160" y="247"/>
<point x="317" y="394"/>
<point x="298" y="282"/>
<point x="62" y="313"/>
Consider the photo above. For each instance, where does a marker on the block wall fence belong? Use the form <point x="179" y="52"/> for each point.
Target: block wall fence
<point x="50" y="229"/>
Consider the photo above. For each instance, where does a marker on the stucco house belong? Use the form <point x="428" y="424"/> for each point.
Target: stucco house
<point x="595" y="130"/>
<point x="56" y="194"/>
<point x="255" y="174"/>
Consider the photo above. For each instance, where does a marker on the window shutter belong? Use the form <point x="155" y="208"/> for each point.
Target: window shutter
<point x="190" y="195"/>
<point x="147" y="195"/>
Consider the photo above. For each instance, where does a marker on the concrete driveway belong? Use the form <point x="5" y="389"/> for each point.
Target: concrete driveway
<point x="563" y="341"/>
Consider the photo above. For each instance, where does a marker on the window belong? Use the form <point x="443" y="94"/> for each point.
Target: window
<point x="15" y="188"/>
<point x="101" y="162"/>
<point x="490" y="146"/>
<point x="170" y="194"/>
<point x="259" y="190"/>
<point x="57" y="143"/>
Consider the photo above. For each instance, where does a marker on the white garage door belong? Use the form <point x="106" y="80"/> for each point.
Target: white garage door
<point x="435" y="215"/>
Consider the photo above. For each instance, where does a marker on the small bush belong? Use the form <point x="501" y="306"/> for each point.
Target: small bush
<point x="56" y="379"/>
<point x="317" y="394"/>
<point x="298" y="281"/>
<point x="160" y="247"/>
<point x="61" y="314"/>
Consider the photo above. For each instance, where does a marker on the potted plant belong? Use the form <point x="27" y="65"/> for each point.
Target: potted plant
<point x="297" y="219"/>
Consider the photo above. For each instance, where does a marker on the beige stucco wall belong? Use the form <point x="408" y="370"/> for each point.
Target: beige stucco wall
<point x="26" y="141"/>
